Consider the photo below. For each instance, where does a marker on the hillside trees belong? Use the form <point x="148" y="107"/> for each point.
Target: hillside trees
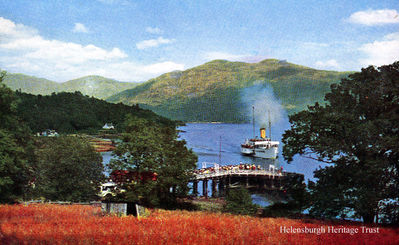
<point x="357" y="133"/>
<point x="152" y="148"/>
<point x="67" y="169"/>
<point x="74" y="112"/>
<point x="13" y="147"/>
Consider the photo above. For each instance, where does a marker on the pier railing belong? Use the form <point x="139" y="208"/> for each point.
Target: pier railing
<point x="236" y="172"/>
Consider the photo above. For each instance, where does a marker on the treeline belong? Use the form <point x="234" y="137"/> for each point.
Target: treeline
<point x="64" y="168"/>
<point x="74" y="112"/>
<point x="356" y="133"/>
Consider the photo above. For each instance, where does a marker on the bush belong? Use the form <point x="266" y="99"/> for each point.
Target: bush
<point x="239" y="201"/>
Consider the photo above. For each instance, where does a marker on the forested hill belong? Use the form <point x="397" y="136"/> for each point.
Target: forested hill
<point x="219" y="90"/>
<point x="96" y="86"/>
<point x="74" y="112"/>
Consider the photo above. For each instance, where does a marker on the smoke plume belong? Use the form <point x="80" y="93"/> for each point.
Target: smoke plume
<point x="261" y="97"/>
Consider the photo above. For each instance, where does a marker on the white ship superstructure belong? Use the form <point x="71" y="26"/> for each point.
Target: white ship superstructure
<point x="260" y="147"/>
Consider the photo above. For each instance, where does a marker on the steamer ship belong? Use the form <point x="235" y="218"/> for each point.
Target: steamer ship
<point x="262" y="147"/>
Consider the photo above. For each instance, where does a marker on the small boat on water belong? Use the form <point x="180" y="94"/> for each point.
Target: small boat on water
<point x="262" y="147"/>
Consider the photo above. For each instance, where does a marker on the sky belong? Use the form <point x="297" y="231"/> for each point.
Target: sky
<point x="136" y="40"/>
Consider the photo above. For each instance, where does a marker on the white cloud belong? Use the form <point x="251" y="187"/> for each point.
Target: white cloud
<point x="209" y="56"/>
<point x="162" y="67"/>
<point x="392" y="36"/>
<point x="327" y="64"/>
<point x="382" y="52"/>
<point x="133" y="71"/>
<point x="79" y="27"/>
<point x="9" y="30"/>
<point x="36" y="47"/>
<point x="224" y="56"/>
<point x="153" y="30"/>
<point x="152" y="43"/>
<point x="23" y="50"/>
<point x="375" y="17"/>
<point x="30" y="45"/>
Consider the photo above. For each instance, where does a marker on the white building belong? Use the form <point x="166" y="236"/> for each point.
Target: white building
<point x="108" y="126"/>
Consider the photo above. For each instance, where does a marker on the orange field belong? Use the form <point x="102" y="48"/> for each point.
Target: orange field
<point x="74" y="224"/>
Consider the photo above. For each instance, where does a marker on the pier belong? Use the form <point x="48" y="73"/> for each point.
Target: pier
<point x="254" y="179"/>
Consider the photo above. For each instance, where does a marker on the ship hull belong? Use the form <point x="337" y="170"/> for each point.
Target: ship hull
<point x="270" y="153"/>
<point x="261" y="152"/>
<point x="247" y="151"/>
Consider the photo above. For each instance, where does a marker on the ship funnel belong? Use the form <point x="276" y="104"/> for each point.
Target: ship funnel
<point x="263" y="133"/>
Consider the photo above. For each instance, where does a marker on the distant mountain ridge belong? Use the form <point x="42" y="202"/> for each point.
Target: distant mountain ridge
<point x="215" y="91"/>
<point x="96" y="86"/>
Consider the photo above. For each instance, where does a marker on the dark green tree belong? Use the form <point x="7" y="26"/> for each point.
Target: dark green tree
<point x="13" y="177"/>
<point x="357" y="133"/>
<point x="74" y="112"/>
<point x="149" y="147"/>
<point x="239" y="201"/>
<point x="67" y="169"/>
<point x="13" y="139"/>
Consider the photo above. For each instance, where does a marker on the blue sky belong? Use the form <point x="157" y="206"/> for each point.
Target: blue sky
<point x="132" y="40"/>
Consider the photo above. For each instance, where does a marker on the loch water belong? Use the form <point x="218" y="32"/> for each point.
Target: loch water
<point x="220" y="143"/>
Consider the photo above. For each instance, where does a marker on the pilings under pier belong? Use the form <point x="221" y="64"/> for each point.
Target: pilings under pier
<point x="254" y="180"/>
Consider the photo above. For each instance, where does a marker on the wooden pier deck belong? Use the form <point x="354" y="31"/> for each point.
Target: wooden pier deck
<point x="239" y="173"/>
<point x="255" y="179"/>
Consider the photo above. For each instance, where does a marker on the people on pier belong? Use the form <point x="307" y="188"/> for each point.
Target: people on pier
<point x="234" y="168"/>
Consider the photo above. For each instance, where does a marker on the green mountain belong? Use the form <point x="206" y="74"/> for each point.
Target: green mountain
<point x="96" y="86"/>
<point x="220" y="90"/>
<point x="30" y="84"/>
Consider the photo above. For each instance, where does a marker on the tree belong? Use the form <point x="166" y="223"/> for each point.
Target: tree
<point x="13" y="177"/>
<point x="357" y="133"/>
<point x="148" y="147"/>
<point x="13" y="159"/>
<point x="239" y="201"/>
<point x="74" y="112"/>
<point x="67" y="169"/>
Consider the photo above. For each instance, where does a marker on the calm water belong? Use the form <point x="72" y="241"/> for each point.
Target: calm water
<point x="220" y="143"/>
<point x="206" y="140"/>
<point x="107" y="156"/>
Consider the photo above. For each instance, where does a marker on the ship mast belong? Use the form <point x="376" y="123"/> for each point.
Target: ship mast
<point x="220" y="150"/>
<point x="253" y="120"/>
<point x="270" y="125"/>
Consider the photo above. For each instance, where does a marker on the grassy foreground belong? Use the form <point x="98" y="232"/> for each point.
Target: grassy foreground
<point x="75" y="224"/>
